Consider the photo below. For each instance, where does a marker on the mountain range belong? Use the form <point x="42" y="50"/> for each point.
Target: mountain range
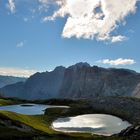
<point x="6" y="80"/>
<point x="77" y="81"/>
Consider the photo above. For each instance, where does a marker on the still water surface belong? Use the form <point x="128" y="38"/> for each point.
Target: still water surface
<point x="100" y="124"/>
<point x="28" y="109"/>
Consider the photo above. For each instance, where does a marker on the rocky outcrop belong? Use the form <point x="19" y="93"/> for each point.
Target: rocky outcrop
<point x="5" y="122"/>
<point x="90" y="82"/>
<point x="136" y="92"/>
<point x="131" y="133"/>
<point x="127" y="108"/>
<point x="77" y="81"/>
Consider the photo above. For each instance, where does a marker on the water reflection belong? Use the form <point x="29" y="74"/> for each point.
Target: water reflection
<point x="28" y="109"/>
<point x="101" y="124"/>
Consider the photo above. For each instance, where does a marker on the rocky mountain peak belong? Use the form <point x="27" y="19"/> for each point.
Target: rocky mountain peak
<point x="77" y="81"/>
<point x="82" y="64"/>
<point x="59" y="68"/>
<point x="79" y="65"/>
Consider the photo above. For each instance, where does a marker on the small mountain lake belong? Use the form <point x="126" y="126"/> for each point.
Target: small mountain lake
<point x="29" y="109"/>
<point x="100" y="124"/>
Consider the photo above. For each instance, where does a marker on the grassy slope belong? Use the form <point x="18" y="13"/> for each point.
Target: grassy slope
<point x="42" y="123"/>
<point x="12" y="101"/>
<point x="37" y="122"/>
<point x="6" y="102"/>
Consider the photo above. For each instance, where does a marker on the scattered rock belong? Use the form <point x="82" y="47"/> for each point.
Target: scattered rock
<point x="131" y="133"/>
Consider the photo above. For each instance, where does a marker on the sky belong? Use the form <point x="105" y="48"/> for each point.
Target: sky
<point x="38" y="35"/>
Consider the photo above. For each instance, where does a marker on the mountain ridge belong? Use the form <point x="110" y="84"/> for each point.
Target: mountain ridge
<point x="7" y="80"/>
<point x="77" y="81"/>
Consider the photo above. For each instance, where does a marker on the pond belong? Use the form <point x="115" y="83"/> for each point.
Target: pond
<point x="100" y="124"/>
<point x="29" y="109"/>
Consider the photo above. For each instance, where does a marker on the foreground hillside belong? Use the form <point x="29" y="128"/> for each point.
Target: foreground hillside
<point x="23" y="127"/>
<point x="77" y="81"/>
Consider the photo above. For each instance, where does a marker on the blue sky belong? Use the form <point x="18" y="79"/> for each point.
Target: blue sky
<point x="29" y="43"/>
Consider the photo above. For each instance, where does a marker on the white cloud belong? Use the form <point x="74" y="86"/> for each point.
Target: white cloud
<point x="11" y="6"/>
<point x="43" y="6"/>
<point x="88" y="19"/>
<point x="118" y="38"/>
<point x="20" y="44"/>
<point x="119" y="61"/>
<point x="43" y="1"/>
<point x="93" y="18"/>
<point x="16" y="72"/>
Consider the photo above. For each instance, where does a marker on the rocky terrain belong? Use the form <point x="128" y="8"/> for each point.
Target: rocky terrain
<point x="131" y="133"/>
<point x="78" y="81"/>
<point x="89" y="82"/>
<point x="24" y="127"/>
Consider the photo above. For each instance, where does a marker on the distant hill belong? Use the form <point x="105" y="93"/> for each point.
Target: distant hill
<point x="78" y="81"/>
<point x="7" y="80"/>
<point x="38" y="86"/>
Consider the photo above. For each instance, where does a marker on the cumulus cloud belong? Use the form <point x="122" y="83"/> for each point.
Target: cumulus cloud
<point x="119" y="61"/>
<point x="11" y="6"/>
<point x="16" y="72"/>
<point x="93" y="18"/>
<point x="88" y="19"/>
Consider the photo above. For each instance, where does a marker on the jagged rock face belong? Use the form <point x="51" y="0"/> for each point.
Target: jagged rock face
<point x="89" y="82"/>
<point x="44" y="85"/>
<point x="77" y="81"/>
<point x="136" y="92"/>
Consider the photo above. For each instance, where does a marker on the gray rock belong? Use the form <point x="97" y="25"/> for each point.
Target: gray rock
<point x="131" y="133"/>
<point x="90" y="82"/>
